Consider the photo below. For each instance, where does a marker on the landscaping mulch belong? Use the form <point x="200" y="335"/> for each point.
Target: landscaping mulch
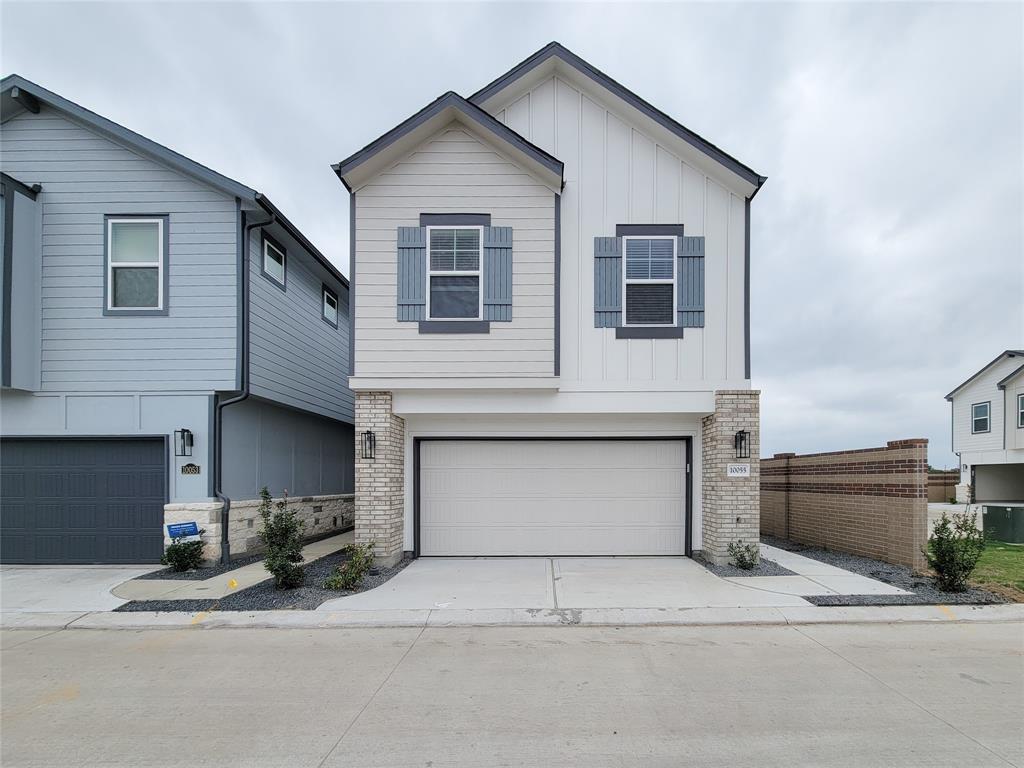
<point x="922" y="587"/>
<point x="201" y="573"/>
<point x="763" y="568"/>
<point x="264" y="597"/>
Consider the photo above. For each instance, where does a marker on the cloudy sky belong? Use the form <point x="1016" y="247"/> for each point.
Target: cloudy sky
<point x="888" y="253"/>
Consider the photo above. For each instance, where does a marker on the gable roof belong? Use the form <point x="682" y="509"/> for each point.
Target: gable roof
<point x="1013" y="375"/>
<point x="431" y="118"/>
<point x="18" y="95"/>
<point x="1001" y="356"/>
<point x="559" y="51"/>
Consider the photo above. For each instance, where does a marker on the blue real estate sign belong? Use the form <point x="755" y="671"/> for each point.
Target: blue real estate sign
<point x="181" y="530"/>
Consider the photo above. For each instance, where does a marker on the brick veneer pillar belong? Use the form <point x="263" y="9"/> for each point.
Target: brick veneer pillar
<point x="731" y="506"/>
<point x="380" y="481"/>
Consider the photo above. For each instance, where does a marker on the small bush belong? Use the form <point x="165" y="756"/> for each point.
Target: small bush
<point x="953" y="550"/>
<point x="745" y="556"/>
<point x="350" y="574"/>
<point x="282" y="534"/>
<point x="183" y="555"/>
<point x="952" y="499"/>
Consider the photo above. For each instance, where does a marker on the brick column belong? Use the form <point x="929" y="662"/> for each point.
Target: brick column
<point x="731" y="506"/>
<point x="380" y="481"/>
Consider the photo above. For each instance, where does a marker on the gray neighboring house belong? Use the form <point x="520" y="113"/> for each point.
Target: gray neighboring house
<point x="149" y="302"/>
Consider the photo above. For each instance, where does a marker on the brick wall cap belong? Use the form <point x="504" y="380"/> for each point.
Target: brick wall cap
<point x="783" y="455"/>
<point x="907" y="442"/>
<point x="738" y="392"/>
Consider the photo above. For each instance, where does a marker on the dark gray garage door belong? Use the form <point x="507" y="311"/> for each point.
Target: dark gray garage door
<point x="82" y="501"/>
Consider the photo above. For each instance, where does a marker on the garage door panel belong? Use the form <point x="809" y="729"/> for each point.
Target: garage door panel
<point x="538" y="497"/>
<point x="82" y="500"/>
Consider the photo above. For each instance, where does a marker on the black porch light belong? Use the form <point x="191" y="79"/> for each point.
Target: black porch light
<point x="183" y="442"/>
<point x="369" y="444"/>
<point x="742" y="444"/>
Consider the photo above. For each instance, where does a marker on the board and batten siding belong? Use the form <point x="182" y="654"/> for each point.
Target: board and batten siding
<point x="295" y="357"/>
<point x="455" y="172"/>
<point x="983" y="389"/>
<point x="617" y="174"/>
<point x="85" y="176"/>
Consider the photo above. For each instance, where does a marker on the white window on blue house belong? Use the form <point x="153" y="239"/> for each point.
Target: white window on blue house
<point x="330" y="306"/>
<point x="135" y="264"/>
<point x="980" y="417"/>
<point x="650" y="281"/>
<point x="274" y="258"/>
<point x="453" y="273"/>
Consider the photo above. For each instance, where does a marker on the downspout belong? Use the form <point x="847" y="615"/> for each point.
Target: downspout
<point x="243" y="232"/>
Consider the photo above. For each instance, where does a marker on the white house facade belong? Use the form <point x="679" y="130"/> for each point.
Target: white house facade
<point x="551" y="326"/>
<point x="988" y="431"/>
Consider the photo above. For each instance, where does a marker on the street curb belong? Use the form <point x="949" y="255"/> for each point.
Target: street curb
<point x="519" y="617"/>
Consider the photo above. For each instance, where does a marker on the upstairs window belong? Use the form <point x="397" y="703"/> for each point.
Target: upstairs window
<point x="650" y="280"/>
<point x="274" y="260"/>
<point x="453" y="273"/>
<point x="329" y="307"/>
<point x="1020" y="411"/>
<point x="135" y="264"/>
<point x="980" y="417"/>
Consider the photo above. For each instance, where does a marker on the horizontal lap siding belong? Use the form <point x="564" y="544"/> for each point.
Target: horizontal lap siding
<point x="454" y="172"/>
<point x="985" y="388"/>
<point x="295" y="357"/>
<point x="85" y="176"/>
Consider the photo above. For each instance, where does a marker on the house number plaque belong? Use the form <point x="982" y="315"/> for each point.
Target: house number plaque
<point x="190" y="469"/>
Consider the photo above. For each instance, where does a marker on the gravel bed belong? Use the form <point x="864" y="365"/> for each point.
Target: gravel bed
<point x="264" y="597"/>
<point x="201" y="573"/>
<point x="763" y="568"/>
<point x="922" y="588"/>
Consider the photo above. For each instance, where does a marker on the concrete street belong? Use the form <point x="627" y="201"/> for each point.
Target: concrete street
<point x="948" y="694"/>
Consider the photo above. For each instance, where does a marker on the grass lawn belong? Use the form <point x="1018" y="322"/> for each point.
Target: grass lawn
<point x="1001" y="569"/>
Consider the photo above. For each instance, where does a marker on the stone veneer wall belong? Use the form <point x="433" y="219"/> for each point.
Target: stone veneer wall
<point x="871" y="502"/>
<point x="380" y="481"/>
<point x="731" y="505"/>
<point x="322" y="515"/>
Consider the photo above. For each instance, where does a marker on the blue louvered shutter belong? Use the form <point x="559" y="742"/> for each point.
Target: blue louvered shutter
<point x="412" y="274"/>
<point x="690" y="283"/>
<point x="497" y="274"/>
<point x="607" y="282"/>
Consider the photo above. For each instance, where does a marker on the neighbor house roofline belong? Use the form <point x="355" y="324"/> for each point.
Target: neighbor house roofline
<point x="449" y="100"/>
<point x="1017" y="372"/>
<point x="556" y="49"/>
<point x="1005" y="353"/>
<point x="29" y="93"/>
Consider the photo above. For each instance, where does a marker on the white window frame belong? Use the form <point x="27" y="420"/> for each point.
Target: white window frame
<point x="987" y="417"/>
<point x="283" y="282"/>
<point x="478" y="273"/>
<point x="160" y="266"/>
<point x="648" y="281"/>
<point x="1020" y="411"/>
<point x="326" y="293"/>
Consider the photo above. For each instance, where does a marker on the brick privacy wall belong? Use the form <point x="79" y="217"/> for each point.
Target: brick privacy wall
<point x="322" y="516"/>
<point x="731" y="506"/>
<point x="871" y="502"/>
<point x="380" y="482"/>
<point x="942" y="484"/>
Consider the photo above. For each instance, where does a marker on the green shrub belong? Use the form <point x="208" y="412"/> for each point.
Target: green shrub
<point x="953" y="550"/>
<point x="350" y="574"/>
<point x="183" y="555"/>
<point x="745" y="556"/>
<point x="282" y="534"/>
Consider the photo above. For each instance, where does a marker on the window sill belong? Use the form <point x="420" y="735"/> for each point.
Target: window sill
<point x="455" y="326"/>
<point x="640" y="332"/>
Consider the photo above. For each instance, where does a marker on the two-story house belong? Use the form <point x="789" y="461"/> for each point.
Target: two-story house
<point x="550" y="310"/>
<point x="171" y="343"/>
<point x="987" y="428"/>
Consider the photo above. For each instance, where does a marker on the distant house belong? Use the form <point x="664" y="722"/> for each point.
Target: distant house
<point x="171" y="343"/>
<point x="988" y="431"/>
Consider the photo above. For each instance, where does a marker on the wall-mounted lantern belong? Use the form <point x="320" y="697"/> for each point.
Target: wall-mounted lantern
<point x="369" y="444"/>
<point x="183" y="442"/>
<point x="742" y="444"/>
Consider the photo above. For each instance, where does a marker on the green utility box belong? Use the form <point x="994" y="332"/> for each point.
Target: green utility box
<point x="1004" y="523"/>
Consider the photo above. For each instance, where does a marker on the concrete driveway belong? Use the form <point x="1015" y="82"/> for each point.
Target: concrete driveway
<point x="50" y="588"/>
<point x="562" y="582"/>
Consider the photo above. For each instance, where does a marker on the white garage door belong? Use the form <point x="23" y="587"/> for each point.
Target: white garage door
<point x="541" y="497"/>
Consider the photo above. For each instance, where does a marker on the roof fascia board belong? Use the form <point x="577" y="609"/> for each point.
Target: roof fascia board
<point x="300" y="238"/>
<point x="429" y="118"/>
<point x="556" y="50"/>
<point x="122" y="135"/>
<point x="1004" y="353"/>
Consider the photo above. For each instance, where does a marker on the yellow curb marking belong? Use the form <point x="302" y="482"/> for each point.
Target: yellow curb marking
<point x="200" y="616"/>
<point x="948" y="611"/>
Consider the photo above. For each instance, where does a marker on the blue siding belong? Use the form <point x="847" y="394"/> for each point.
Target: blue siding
<point x="296" y="358"/>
